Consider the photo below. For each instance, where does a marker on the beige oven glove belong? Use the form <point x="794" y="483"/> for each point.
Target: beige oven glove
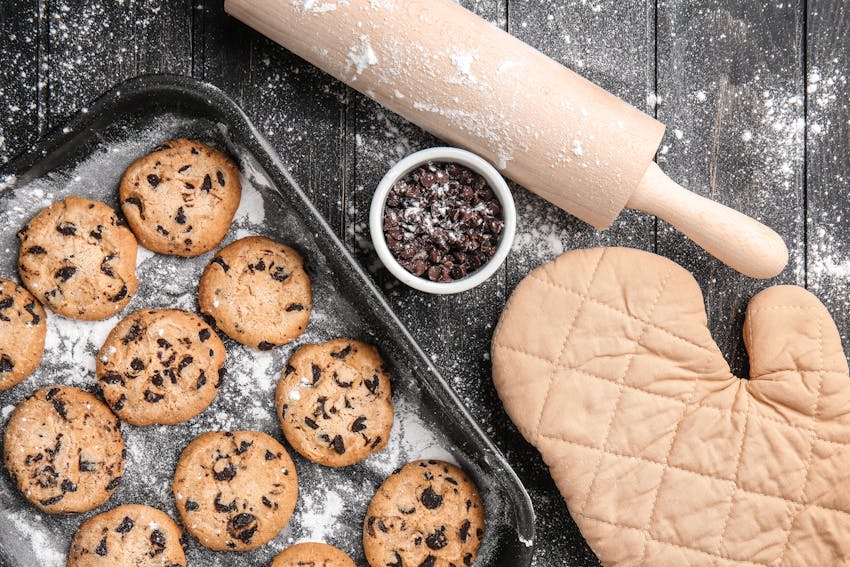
<point x="604" y="361"/>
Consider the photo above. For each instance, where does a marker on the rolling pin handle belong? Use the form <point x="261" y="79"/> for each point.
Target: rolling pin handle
<point x="732" y="237"/>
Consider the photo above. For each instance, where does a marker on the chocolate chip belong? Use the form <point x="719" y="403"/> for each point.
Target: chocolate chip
<point x="65" y="273"/>
<point x="153" y="179"/>
<point x="201" y="381"/>
<point x="67" y="228"/>
<point x="112" y="378"/>
<point x="317" y="373"/>
<point x="119" y="403"/>
<point x="342" y="353"/>
<point x="310" y="423"/>
<point x="180" y="217"/>
<point x="279" y="274"/>
<point x="464" y="531"/>
<point x="396" y="561"/>
<point x="101" y="548"/>
<point x="186" y="361"/>
<point x="220" y="176"/>
<point x="195" y="151"/>
<point x="184" y="168"/>
<point x="376" y="442"/>
<point x="153" y="397"/>
<point x="156" y="379"/>
<point x="221" y="374"/>
<point x="87" y="466"/>
<point x="192" y="506"/>
<point x="430" y="561"/>
<point x="242" y="527"/>
<point x="358" y="425"/>
<point x="68" y="486"/>
<point x="431" y="499"/>
<point x="268" y="503"/>
<point x="204" y="334"/>
<point x="137" y="364"/>
<point x="243" y="446"/>
<point x="371" y="383"/>
<point x="189" y="185"/>
<point x="341" y="383"/>
<point x="437" y="539"/>
<point x="59" y="406"/>
<point x="218" y="260"/>
<point x="126" y="525"/>
<point x="162" y="230"/>
<point x="122" y="293"/>
<point x="133" y="334"/>
<point x="338" y="445"/>
<point x="226" y="474"/>
<point x="223" y="508"/>
<point x="36" y="250"/>
<point x="265" y="345"/>
<point x="163" y="343"/>
<point x="269" y="455"/>
<point x="158" y="542"/>
<point x="6" y="364"/>
<point x="467" y="559"/>
<point x="289" y="370"/>
<point x="207" y="183"/>
<point x="113" y="484"/>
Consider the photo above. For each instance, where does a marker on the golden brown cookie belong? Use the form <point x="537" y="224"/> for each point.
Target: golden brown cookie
<point x="180" y="199"/>
<point x="334" y="402"/>
<point x="63" y="449"/>
<point x="257" y="292"/>
<point x="426" y="514"/>
<point x="160" y="366"/>
<point x="23" y="327"/>
<point x="79" y="259"/>
<point x="235" y="491"/>
<point x="132" y="535"/>
<point x="312" y="554"/>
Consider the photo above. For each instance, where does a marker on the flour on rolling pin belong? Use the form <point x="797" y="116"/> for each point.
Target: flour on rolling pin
<point x="478" y="87"/>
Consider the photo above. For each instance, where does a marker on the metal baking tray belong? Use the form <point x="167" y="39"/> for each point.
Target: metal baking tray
<point x="87" y="158"/>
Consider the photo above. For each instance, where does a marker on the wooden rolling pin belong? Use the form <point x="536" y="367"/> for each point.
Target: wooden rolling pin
<point x="468" y="82"/>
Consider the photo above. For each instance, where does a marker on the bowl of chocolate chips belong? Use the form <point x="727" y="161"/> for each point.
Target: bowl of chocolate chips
<point x="442" y="220"/>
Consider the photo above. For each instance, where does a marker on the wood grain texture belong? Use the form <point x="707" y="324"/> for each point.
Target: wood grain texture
<point x="730" y="77"/>
<point x="827" y="163"/>
<point x="21" y="89"/>
<point x="731" y="94"/>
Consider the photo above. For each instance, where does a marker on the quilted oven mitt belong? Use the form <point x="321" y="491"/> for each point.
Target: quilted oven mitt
<point x="604" y="361"/>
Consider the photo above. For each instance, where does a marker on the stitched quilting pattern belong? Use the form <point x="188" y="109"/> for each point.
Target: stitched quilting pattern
<point x="604" y="361"/>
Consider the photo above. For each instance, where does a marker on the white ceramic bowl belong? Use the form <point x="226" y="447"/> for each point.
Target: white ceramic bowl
<point x="444" y="155"/>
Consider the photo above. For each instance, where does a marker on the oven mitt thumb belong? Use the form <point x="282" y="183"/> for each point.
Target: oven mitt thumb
<point x="604" y="360"/>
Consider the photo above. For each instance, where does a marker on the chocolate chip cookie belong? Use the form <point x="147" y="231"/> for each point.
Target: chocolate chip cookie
<point x="312" y="554"/>
<point x="334" y="402"/>
<point x="180" y="199"/>
<point x="257" y="292"/>
<point x="78" y="258"/>
<point x="160" y="366"/>
<point x="23" y="327"/>
<point x="235" y="491"/>
<point x="63" y="449"/>
<point x="426" y="514"/>
<point x="132" y="534"/>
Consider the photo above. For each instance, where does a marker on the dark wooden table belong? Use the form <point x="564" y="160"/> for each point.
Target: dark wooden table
<point x="754" y="93"/>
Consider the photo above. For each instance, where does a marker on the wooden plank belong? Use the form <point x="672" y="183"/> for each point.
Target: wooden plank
<point x="92" y="46"/>
<point x="454" y="330"/>
<point x="827" y="165"/>
<point x="611" y="43"/>
<point x="731" y="93"/>
<point x="20" y="88"/>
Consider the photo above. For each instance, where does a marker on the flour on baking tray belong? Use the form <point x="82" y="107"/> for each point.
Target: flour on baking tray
<point x="332" y="502"/>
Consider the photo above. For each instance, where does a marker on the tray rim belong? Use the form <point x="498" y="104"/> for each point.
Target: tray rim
<point x="267" y="157"/>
